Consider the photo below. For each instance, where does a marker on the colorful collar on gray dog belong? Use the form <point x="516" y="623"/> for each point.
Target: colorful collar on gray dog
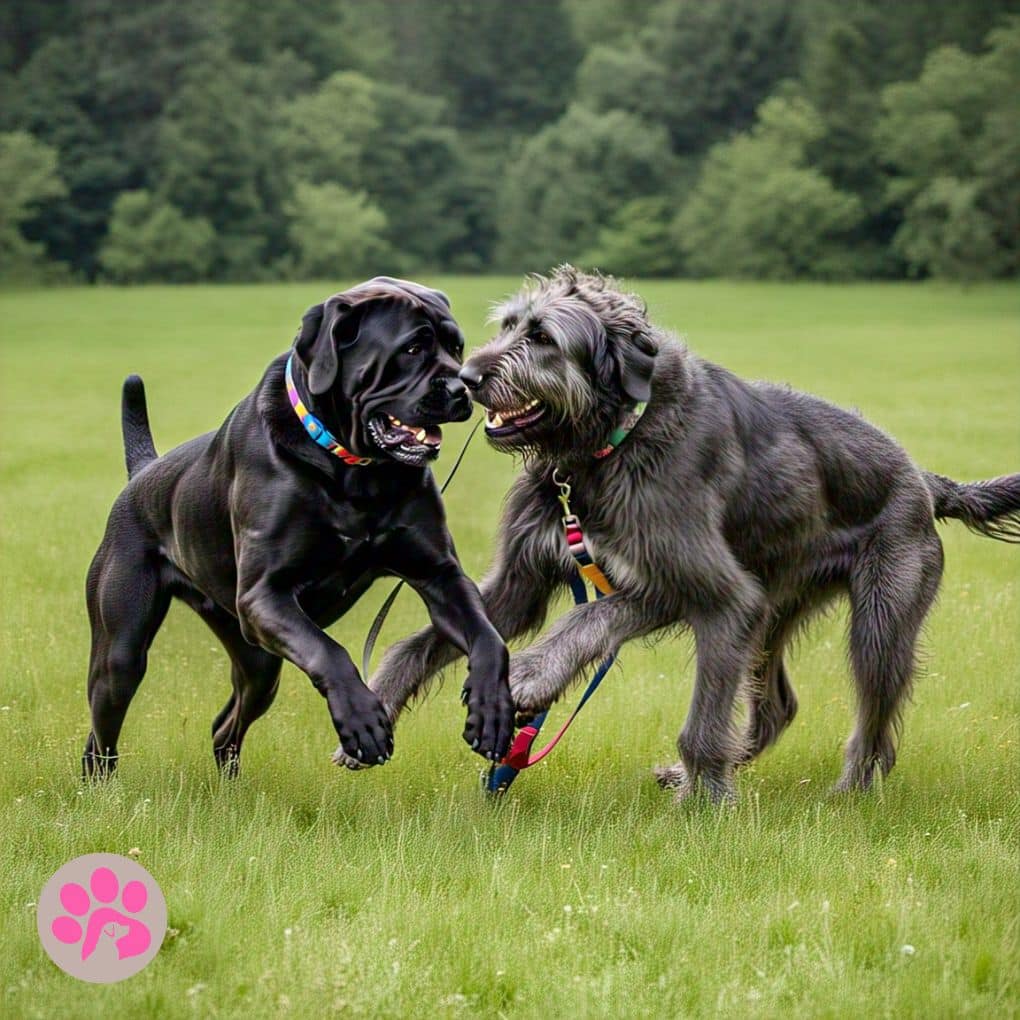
<point x="620" y="433"/>
<point x="322" y="436"/>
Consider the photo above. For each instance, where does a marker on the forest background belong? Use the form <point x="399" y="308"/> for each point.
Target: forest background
<point x="229" y="140"/>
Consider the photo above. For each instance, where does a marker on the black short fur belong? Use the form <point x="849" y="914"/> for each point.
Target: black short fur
<point x="269" y="538"/>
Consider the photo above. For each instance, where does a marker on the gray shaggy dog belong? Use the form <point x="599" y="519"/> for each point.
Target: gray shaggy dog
<point x="736" y="509"/>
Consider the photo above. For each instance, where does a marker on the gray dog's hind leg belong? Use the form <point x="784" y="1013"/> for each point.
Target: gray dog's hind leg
<point x="127" y="601"/>
<point x="729" y="641"/>
<point x="771" y="702"/>
<point x="890" y="594"/>
<point x="255" y="675"/>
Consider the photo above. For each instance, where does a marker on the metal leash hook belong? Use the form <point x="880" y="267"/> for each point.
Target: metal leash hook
<point x="519" y="757"/>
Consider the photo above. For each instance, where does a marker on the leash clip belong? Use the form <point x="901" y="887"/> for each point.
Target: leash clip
<point x="564" y="496"/>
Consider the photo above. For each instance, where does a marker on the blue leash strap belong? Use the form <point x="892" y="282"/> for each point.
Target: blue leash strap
<point x="500" y="777"/>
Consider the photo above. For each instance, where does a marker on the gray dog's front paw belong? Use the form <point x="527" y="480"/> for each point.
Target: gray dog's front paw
<point x="529" y="683"/>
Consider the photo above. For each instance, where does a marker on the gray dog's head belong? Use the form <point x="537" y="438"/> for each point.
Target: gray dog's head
<point x="572" y="352"/>
<point x="380" y="365"/>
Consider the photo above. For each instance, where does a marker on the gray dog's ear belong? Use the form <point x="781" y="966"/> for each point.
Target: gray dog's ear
<point x="636" y="362"/>
<point x="325" y="330"/>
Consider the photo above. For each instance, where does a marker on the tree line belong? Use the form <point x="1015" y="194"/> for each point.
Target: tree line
<point x="181" y="140"/>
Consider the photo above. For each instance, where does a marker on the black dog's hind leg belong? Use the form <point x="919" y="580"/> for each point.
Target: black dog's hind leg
<point x="255" y="675"/>
<point x="127" y="600"/>
<point x="891" y="591"/>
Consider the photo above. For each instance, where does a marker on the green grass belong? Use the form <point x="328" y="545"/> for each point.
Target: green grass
<point x="304" y="890"/>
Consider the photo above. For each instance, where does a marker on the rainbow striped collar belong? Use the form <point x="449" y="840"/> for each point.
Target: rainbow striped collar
<point x="322" y="436"/>
<point x="619" y="434"/>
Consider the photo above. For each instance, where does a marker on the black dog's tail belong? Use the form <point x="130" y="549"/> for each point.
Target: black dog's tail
<point x="134" y="419"/>
<point x="990" y="508"/>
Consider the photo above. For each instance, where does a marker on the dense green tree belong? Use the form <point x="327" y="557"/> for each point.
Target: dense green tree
<point x="398" y="148"/>
<point x="150" y="239"/>
<point x="571" y="177"/>
<point x="95" y="90"/>
<point x="502" y="66"/>
<point x="701" y="69"/>
<point x="215" y="160"/>
<point x="336" y="233"/>
<point x="52" y="99"/>
<point x="26" y="24"/>
<point x="950" y="137"/>
<point x="758" y="211"/>
<point x="609" y="22"/>
<point x="28" y="177"/>
<point x="524" y="133"/>
<point x="638" y="240"/>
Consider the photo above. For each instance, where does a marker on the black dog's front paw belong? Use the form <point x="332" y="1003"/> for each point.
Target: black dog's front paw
<point x="365" y="732"/>
<point x="490" y="720"/>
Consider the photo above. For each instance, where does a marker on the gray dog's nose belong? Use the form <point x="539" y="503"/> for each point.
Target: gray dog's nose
<point x="471" y="376"/>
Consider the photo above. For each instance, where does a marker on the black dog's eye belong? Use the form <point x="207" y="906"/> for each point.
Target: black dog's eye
<point x="422" y="338"/>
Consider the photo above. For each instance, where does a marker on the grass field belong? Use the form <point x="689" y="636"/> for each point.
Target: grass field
<point x="303" y="890"/>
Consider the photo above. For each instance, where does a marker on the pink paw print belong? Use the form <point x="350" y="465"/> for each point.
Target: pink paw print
<point x="100" y="918"/>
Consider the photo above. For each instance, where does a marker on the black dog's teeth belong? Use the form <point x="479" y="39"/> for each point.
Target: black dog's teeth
<point x="412" y="444"/>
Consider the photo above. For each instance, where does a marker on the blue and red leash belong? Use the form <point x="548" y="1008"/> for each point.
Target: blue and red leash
<point x="519" y="757"/>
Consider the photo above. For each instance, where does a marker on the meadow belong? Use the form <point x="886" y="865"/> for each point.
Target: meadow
<point x="301" y="889"/>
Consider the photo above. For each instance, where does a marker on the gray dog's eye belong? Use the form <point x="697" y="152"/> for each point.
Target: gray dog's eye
<point x="539" y="336"/>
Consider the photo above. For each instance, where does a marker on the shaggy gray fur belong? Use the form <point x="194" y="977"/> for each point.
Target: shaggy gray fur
<point x="736" y="509"/>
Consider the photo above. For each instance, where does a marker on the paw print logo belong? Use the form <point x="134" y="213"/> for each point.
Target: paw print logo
<point x="101" y="917"/>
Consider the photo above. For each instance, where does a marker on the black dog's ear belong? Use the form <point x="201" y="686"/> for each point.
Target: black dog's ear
<point x="325" y="330"/>
<point x="314" y="348"/>
<point x="636" y="359"/>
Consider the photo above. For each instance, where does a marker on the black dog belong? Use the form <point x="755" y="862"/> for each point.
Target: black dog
<point x="271" y="528"/>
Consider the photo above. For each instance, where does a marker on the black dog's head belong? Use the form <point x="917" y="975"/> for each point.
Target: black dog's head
<point x="572" y="351"/>
<point x="381" y="363"/>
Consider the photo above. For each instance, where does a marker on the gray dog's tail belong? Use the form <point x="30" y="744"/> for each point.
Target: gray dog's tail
<point x="990" y="508"/>
<point x="134" y="418"/>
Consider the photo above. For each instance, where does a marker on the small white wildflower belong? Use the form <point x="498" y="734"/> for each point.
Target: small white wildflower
<point x="907" y="950"/>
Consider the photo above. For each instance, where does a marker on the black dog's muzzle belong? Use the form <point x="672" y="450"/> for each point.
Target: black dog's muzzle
<point x="446" y="400"/>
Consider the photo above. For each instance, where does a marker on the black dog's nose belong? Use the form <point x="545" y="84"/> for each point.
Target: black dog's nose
<point x="471" y="376"/>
